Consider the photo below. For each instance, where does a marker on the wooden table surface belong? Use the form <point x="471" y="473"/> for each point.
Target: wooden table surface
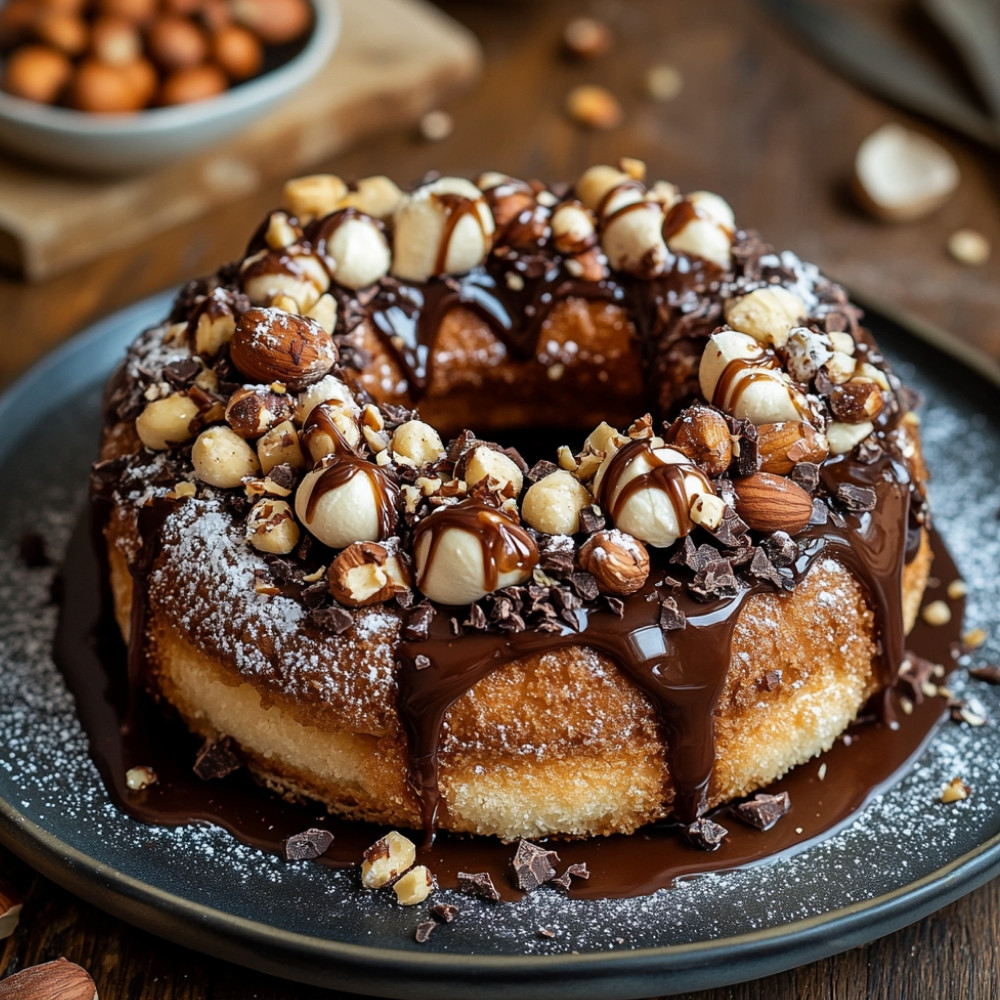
<point x="757" y="120"/>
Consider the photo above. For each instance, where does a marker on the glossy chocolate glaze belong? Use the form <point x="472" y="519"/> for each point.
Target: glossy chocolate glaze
<point x="127" y="729"/>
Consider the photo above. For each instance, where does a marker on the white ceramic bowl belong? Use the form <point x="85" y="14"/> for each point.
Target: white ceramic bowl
<point x="118" y="143"/>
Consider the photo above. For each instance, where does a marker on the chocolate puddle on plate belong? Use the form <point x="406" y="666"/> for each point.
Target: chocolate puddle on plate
<point x="824" y="792"/>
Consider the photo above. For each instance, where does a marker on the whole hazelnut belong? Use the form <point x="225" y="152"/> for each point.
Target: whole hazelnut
<point x="237" y="51"/>
<point x="115" y="41"/>
<point x="701" y="225"/>
<point x="222" y="458"/>
<point x="36" y="73"/>
<point x="275" y="22"/>
<point x="703" y="435"/>
<point x="166" y="422"/>
<point x="196" y="83"/>
<point x="345" y="500"/>
<point x="176" y="43"/>
<point x="647" y="491"/>
<point x="444" y="227"/>
<point x="617" y="561"/>
<point x="63" y="31"/>
<point x="465" y="551"/>
<point x="553" y="504"/>
<point x="104" y="89"/>
<point x="354" y="248"/>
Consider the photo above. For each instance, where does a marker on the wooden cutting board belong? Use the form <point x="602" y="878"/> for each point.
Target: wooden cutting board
<point x="396" y="60"/>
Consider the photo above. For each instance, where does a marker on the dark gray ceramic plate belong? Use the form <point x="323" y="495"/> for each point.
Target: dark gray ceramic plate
<point x="903" y="857"/>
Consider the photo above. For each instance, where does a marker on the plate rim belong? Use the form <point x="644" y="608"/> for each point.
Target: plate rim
<point x="623" y="974"/>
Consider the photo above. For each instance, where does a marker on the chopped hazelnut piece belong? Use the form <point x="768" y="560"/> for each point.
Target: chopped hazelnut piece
<point x="414" y="887"/>
<point x="387" y="859"/>
<point x="936" y="613"/>
<point x="594" y="107"/>
<point x="955" y="791"/>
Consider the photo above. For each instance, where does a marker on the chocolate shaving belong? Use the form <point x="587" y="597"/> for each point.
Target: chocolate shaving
<point x="584" y="585"/>
<point x="308" y="845"/>
<point x="763" y="810"/>
<point x="533" y="865"/>
<point x="336" y="619"/>
<point x="424" y="930"/>
<point x="915" y="672"/>
<point x="216" y="759"/>
<point x="705" y="834"/>
<point x="671" y="616"/>
<point x="481" y="883"/>
<point x="445" y="912"/>
<point x="421" y="662"/>
<point x="856" y="498"/>
<point x="578" y="869"/>
<point x="556" y="560"/>
<point x="477" y="618"/>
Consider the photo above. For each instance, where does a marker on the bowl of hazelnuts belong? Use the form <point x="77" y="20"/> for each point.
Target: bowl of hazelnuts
<point x="123" y="85"/>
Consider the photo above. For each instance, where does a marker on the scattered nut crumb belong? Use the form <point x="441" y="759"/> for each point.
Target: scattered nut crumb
<point x="974" y="638"/>
<point x="957" y="588"/>
<point x="594" y="107"/>
<point x="663" y="82"/>
<point x="936" y="613"/>
<point x="906" y="705"/>
<point x="968" y="246"/>
<point x="587" y="38"/>
<point x="138" y="778"/>
<point x="955" y="791"/>
<point x="436" y="125"/>
<point x="821" y="773"/>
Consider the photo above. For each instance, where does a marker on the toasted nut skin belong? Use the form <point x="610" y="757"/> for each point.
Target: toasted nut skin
<point x="366" y="573"/>
<point x="783" y="445"/>
<point x="703" y="435"/>
<point x="387" y="859"/>
<point x="254" y="410"/>
<point x="617" y="561"/>
<point x="772" y="503"/>
<point x="270" y="345"/>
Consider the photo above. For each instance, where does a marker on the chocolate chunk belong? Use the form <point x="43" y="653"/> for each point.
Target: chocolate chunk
<point x="771" y="680"/>
<point x="421" y="662"/>
<point x="308" y="845"/>
<point x="180" y="374"/>
<point x="424" y="930"/>
<point x="615" y="605"/>
<point x="763" y="810"/>
<point x="578" y="869"/>
<point x="856" y="498"/>
<point x="717" y="579"/>
<point x="989" y="673"/>
<point x="418" y="623"/>
<point x="336" y="620"/>
<point x="31" y="550"/>
<point x="706" y="834"/>
<point x="315" y="594"/>
<point x="671" y="616"/>
<point x="763" y="569"/>
<point x="477" y="618"/>
<point x="216" y="759"/>
<point x="457" y="447"/>
<point x="533" y="865"/>
<point x="559" y="561"/>
<point x="820" y="514"/>
<point x="732" y="531"/>
<point x="780" y="548"/>
<point x="806" y="475"/>
<point x="445" y="912"/>
<point x="584" y="585"/>
<point x="744" y="433"/>
<point x="869" y="451"/>
<point x="541" y="469"/>
<point x="481" y="883"/>
<point x="591" y="520"/>
<point x="284" y="476"/>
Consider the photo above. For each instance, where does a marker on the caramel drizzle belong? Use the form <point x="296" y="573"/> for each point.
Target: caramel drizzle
<point x="320" y="422"/>
<point x="341" y="472"/>
<point x="457" y="207"/>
